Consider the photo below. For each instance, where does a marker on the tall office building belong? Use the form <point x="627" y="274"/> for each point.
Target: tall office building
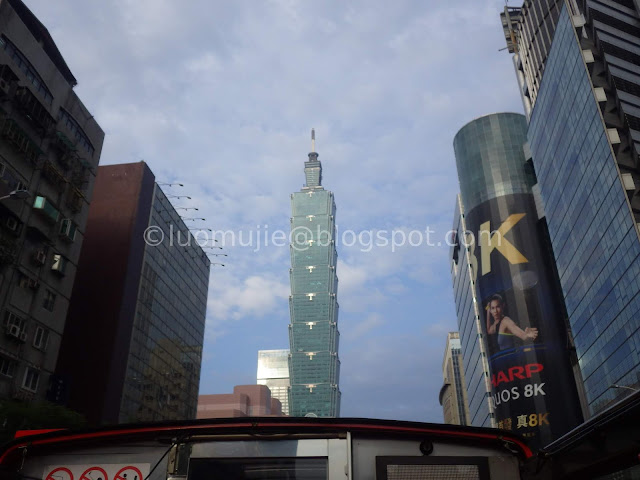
<point x="49" y="146"/>
<point x="474" y="356"/>
<point x="273" y="371"/>
<point x="523" y="326"/>
<point x="133" y="341"/>
<point x="314" y="367"/>
<point x="529" y="32"/>
<point x="584" y="137"/>
<point x="453" y="394"/>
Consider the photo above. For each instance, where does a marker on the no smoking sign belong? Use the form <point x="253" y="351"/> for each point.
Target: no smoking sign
<point x="114" y="471"/>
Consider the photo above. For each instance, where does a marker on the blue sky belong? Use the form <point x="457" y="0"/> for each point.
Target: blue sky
<point x="221" y="96"/>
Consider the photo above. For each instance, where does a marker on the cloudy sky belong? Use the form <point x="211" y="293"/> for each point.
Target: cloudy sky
<point x="221" y="96"/>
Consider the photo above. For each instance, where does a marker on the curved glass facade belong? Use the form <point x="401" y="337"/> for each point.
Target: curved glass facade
<point x="593" y="233"/>
<point x="490" y="158"/>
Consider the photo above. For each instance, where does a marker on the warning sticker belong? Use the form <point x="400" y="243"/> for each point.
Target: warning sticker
<point x="114" y="471"/>
<point x="60" y="473"/>
<point x="94" y="473"/>
<point x="129" y="473"/>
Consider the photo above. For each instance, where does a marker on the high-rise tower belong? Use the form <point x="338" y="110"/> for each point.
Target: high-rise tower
<point x="517" y="304"/>
<point x="584" y="139"/>
<point x="314" y="367"/>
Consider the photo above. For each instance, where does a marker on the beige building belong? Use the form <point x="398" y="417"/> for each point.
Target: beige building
<point x="245" y="401"/>
<point x="453" y="394"/>
<point x="49" y="150"/>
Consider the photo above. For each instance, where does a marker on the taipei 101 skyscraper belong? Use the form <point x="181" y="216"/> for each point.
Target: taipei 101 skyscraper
<point x="314" y="367"/>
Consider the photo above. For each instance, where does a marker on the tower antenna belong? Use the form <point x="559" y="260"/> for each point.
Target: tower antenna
<point x="313" y="140"/>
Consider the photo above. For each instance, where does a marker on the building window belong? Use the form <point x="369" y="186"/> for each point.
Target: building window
<point x="41" y="338"/>
<point x="23" y="64"/>
<point x="28" y="282"/>
<point x="49" y="300"/>
<point x="11" y="319"/>
<point x="71" y="123"/>
<point x="7" y="367"/>
<point x="31" y="378"/>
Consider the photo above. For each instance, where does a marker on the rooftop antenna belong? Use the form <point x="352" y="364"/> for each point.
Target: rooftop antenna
<point x="313" y="140"/>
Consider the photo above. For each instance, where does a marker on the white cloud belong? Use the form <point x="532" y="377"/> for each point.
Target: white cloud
<point x="255" y="297"/>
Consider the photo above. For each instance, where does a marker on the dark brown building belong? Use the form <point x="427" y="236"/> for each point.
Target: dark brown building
<point x="132" y="346"/>
<point x="245" y="401"/>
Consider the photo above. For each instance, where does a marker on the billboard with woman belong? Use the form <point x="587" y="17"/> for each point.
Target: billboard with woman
<point x="533" y="388"/>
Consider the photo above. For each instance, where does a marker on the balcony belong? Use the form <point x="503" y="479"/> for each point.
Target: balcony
<point x="52" y="175"/>
<point x="34" y="111"/>
<point x="8" y="250"/>
<point x="20" y="141"/>
<point x="75" y="199"/>
<point x="10" y="180"/>
<point x="62" y="144"/>
<point x="7" y="79"/>
<point x="80" y="175"/>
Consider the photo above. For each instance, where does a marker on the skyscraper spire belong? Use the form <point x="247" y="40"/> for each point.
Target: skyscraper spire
<point x="313" y="167"/>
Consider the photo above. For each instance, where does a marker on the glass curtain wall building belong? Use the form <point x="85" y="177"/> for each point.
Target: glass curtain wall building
<point x="585" y="141"/>
<point x="529" y="31"/>
<point x="453" y="394"/>
<point x="146" y="308"/>
<point x="474" y="357"/>
<point x="314" y="367"/>
<point x="165" y="354"/>
<point x="273" y="371"/>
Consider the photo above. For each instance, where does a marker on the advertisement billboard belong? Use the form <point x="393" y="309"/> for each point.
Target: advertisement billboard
<point x="533" y="388"/>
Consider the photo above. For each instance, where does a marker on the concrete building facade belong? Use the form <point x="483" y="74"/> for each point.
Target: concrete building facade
<point x="135" y="332"/>
<point x="50" y="146"/>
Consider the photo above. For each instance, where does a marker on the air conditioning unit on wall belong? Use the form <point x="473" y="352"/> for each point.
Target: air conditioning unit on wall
<point x="40" y="257"/>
